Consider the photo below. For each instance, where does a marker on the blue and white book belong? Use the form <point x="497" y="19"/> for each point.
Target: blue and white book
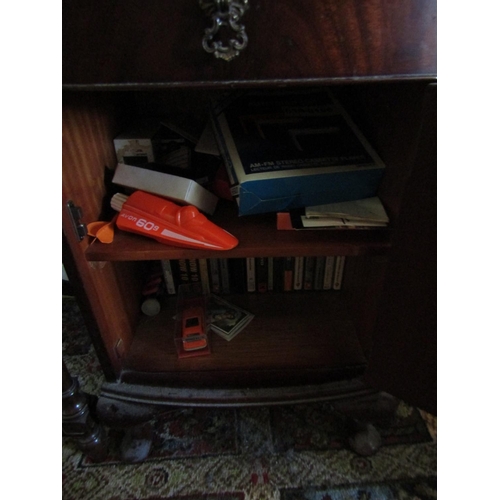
<point x="286" y="149"/>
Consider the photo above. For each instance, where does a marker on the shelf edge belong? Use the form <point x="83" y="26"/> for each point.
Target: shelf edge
<point x="171" y="396"/>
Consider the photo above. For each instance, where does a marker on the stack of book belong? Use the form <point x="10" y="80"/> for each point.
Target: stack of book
<point x="368" y="213"/>
<point x="256" y="274"/>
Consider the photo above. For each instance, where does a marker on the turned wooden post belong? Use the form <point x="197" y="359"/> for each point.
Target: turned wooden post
<point x="77" y="421"/>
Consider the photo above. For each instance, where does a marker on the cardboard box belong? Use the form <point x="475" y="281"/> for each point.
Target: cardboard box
<point x="293" y="148"/>
<point x="178" y="189"/>
<point x="150" y="140"/>
<point x="138" y="145"/>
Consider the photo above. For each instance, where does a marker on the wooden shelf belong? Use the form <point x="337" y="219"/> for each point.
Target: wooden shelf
<point x="257" y="236"/>
<point x="296" y="337"/>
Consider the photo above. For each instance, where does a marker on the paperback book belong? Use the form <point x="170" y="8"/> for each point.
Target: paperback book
<point x="358" y="214"/>
<point x="362" y="211"/>
<point x="226" y="319"/>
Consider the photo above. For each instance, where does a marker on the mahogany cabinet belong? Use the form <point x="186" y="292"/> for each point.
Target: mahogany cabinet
<point x="126" y="59"/>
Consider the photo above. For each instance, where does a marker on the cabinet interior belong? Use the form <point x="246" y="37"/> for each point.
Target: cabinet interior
<point x="295" y="337"/>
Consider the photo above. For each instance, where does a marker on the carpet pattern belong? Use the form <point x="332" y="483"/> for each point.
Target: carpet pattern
<point x="281" y="452"/>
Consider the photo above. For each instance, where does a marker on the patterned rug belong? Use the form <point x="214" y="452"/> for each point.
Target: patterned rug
<point x="281" y="452"/>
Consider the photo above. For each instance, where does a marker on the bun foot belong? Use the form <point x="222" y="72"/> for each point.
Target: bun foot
<point x="134" y="449"/>
<point x="366" y="440"/>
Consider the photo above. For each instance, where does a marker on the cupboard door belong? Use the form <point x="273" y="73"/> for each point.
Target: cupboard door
<point x="403" y="360"/>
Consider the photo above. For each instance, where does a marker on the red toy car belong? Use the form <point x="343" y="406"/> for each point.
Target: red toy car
<point x="193" y="329"/>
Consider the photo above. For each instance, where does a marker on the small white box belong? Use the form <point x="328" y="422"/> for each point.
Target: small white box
<point x="178" y="189"/>
<point x="137" y="146"/>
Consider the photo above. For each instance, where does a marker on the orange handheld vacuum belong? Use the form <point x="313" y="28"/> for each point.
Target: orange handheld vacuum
<point x="169" y="223"/>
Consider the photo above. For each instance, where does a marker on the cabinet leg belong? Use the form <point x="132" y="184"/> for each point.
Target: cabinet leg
<point x="137" y="442"/>
<point x="365" y="439"/>
<point x="363" y="416"/>
<point x="77" y="421"/>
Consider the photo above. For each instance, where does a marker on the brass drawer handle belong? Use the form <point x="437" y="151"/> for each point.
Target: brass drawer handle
<point x="224" y="14"/>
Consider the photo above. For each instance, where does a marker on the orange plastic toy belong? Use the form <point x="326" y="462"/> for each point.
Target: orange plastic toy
<point x="169" y="223"/>
<point x="193" y="329"/>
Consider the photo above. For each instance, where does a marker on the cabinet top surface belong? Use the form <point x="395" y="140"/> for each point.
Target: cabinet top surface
<point x="132" y="44"/>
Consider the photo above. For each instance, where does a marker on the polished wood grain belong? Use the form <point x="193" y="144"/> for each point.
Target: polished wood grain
<point x="158" y="43"/>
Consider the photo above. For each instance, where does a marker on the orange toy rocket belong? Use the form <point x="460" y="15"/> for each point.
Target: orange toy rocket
<point x="169" y="223"/>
